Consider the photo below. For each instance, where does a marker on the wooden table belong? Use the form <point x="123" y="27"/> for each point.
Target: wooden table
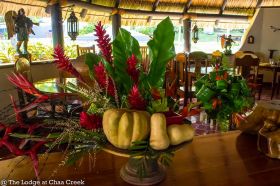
<point x="52" y="85"/>
<point x="219" y="159"/>
<point x="275" y="70"/>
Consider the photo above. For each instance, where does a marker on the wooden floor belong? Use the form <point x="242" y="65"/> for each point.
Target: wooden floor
<point x="217" y="159"/>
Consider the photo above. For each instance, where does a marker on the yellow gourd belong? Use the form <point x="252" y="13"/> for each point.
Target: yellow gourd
<point x="180" y="133"/>
<point x="158" y="138"/>
<point x="122" y="127"/>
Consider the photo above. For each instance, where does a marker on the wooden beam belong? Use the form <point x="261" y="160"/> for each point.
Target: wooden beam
<point x="187" y="7"/>
<point x="57" y="27"/>
<point x="259" y="3"/>
<point x="164" y="14"/>
<point x="117" y="4"/>
<point x="223" y="7"/>
<point x="187" y="34"/>
<point x="116" y="20"/>
<point x="155" y="5"/>
<point x="116" y="24"/>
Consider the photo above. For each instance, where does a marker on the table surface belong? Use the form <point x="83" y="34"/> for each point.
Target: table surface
<point x="52" y="85"/>
<point x="268" y="65"/>
<point x="218" y="159"/>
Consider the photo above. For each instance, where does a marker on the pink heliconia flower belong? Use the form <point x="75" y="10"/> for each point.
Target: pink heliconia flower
<point x="63" y="62"/>
<point x="132" y="68"/>
<point x="103" y="80"/>
<point x="90" y="122"/>
<point x="135" y="99"/>
<point x="103" y="42"/>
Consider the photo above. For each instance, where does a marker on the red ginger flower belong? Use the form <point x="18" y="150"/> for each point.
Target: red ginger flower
<point x="21" y="82"/>
<point x="103" y="42"/>
<point x="105" y="82"/>
<point x="135" y="99"/>
<point x="90" y="122"/>
<point x="63" y="62"/>
<point x="131" y="68"/>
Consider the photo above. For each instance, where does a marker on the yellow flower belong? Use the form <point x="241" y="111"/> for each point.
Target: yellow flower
<point x="181" y="57"/>
<point x="217" y="53"/>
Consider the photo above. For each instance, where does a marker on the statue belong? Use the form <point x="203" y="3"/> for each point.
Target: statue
<point x="22" y="26"/>
<point x="226" y="43"/>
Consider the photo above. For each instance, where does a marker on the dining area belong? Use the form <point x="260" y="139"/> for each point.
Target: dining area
<point x="124" y="113"/>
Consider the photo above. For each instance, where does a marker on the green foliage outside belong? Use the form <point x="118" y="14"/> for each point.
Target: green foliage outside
<point x="145" y="30"/>
<point x="38" y="50"/>
<point x="87" y="29"/>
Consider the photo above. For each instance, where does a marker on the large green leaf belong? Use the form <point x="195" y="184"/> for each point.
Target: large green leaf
<point x="161" y="50"/>
<point x="123" y="47"/>
<point x="92" y="59"/>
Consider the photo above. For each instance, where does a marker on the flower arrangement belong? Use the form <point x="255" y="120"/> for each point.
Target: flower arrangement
<point x="125" y="104"/>
<point x="223" y="94"/>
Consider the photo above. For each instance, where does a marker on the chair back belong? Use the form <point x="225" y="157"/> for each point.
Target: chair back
<point x="245" y="63"/>
<point x="144" y="53"/>
<point x="85" y="50"/>
<point x="175" y="76"/>
<point x="198" y="60"/>
<point x="80" y="65"/>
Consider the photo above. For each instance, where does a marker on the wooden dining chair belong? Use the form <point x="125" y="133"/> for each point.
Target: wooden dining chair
<point x="247" y="65"/>
<point x="145" y="56"/>
<point x="177" y="81"/>
<point x="197" y="66"/>
<point x="85" y="50"/>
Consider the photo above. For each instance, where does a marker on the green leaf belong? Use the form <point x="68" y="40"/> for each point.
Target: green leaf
<point x="53" y="135"/>
<point x="92" y="59"/>
<point x="161" y="50"/>
<point x="123" y="47"/>
<point x="25" y="136"/>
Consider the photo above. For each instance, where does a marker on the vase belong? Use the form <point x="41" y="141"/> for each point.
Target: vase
<point x="154" y="172"/>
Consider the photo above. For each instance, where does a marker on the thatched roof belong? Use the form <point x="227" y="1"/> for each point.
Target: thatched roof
<point x="149" y="12"/>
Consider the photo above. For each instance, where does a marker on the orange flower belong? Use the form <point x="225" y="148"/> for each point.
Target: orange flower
<point x="216" y="102"/>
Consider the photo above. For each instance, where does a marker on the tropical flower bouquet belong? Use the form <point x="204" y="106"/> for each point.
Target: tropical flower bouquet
<point x="125" y="106"/>
<point x="223" y="94"/>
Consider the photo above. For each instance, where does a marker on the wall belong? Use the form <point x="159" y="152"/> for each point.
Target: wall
<point x="39" y="71"/>
<point x="265" y="38"/>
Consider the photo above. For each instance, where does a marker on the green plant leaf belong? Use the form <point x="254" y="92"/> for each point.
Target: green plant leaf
<point x="161" y="50"/>
<point x="92" y="59"/>
<point x="123" y="47"/>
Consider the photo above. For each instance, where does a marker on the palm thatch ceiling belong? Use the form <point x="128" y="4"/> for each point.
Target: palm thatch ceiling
<point x="147" y="12"/>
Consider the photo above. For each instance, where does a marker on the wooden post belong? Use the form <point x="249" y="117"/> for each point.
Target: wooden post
<point x="57" y="25"/>
<point x="187" y="34"/>
<point x="116" y="24"/>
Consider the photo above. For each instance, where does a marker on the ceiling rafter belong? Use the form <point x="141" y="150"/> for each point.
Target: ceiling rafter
<point x="117" y="4"/>
<point x="187" y="6"/>
<point x="223" y="7"/>
<point x="259" y="3"/>
<point x="155" y="5"/>
<point x="186" y="9"/>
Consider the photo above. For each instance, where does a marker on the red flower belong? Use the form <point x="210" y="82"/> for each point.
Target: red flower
<point x="63" y="62"/>
<point x="135" y="99"/>
<point x="90" y="122"/>
<point x="103" y="80"/>
<point x="131" y="68"/>
<point x="103" y="42"/>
